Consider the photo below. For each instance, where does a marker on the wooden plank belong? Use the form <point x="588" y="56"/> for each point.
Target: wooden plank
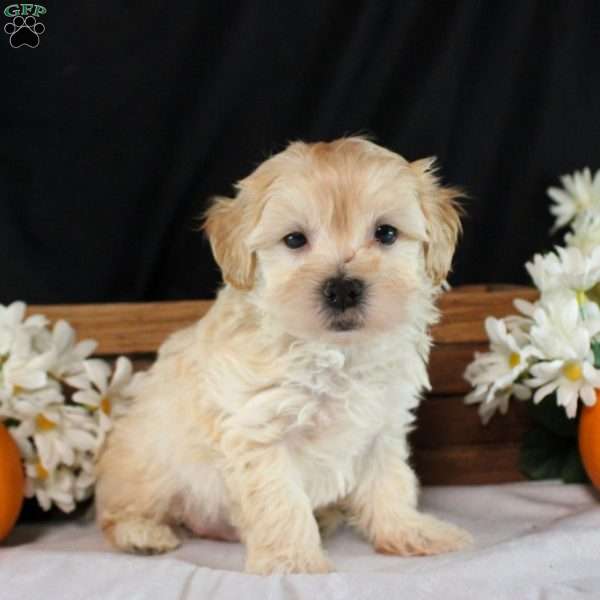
<point x="447" y="365"/>
<point x="468" y="465"/>
<point x="448" y="421"/>
<point x="464" y="311"/>
<point x="126" y="328"/>
<point x="131" y="328"/>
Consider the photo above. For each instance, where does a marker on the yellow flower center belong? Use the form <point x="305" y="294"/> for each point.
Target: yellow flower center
<point x="581" y="297"/>
<point x="40" y="471"/>
<point x="514" y="359"/>
<point x="572" y="371"/>
<point x="106" y="405"/>
<point x="17" y="389"/>
<point x="43" y="423"/>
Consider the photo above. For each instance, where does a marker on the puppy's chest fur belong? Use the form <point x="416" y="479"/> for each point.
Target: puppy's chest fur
<point x="331" y="405"/>
<point x="325" y="404"/>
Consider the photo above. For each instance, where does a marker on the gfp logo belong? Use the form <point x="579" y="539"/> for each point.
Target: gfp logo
<point x="24" y="29"/>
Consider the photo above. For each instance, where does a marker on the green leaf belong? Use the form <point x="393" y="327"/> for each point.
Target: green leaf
<point x="552" y="417"/>
<point x="594" y="294"/>
<point x="546" y="455"/>
<point x="573" y="470"/>
<point x="542" y="454"/>
<point x="596" y="351"/>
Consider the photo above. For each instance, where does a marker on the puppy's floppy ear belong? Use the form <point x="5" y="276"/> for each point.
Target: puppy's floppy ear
<point x="228" y="223"/>
<point x="442" y="212"/>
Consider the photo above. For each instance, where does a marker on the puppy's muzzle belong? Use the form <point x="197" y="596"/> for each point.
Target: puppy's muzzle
<point x="342" y="293"/>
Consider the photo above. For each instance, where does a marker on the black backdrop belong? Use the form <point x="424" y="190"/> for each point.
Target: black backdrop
<point x="129" y="115"/>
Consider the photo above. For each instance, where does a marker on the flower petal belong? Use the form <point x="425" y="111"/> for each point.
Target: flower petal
<point x="122" y="374"/>
<point x="98" y="371"/>
<point x="544" y="391"/>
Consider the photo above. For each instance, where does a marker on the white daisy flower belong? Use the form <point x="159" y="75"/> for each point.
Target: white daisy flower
<point x="23" y="405"/>
<point x="545" y="271"/>
<point x="20" y="434"/>
<point x="104" y="395"/>
<point x="12" y="319"/>
<point x="69" y="354"/>
<point x="563" y="340"/>
<point x="83" y="486"/>
<point x="580" y="193"/>
<point x="580" y="272"/>
<point x="570" y="379"/>
<point x="23" y="369"/>
<point x="585" y="233"/>
<point x="499" y="401"/>
<point x="560" y="332"/>
<point x="494" y="374"/>
<point x="50" y="487"/>
<point x="57" y="432"/>
<point x="518" y="326"/>
<point x="566" y="271"/>
<point x="57" y="439"/>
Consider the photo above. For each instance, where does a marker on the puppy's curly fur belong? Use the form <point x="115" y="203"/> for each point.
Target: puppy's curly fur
<point x="286" y="400"/>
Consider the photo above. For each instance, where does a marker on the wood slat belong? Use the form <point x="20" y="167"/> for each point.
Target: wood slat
<point x="468" y="465"/>
<point x="464" y="311"/>
<point x="447" y="421"/>
<point x="126" y="328"/>
<point x="447" y="365"/>
<point x="132" y="328"/>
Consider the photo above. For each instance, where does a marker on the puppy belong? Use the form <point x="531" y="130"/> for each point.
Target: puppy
<point x="295" y="393"/>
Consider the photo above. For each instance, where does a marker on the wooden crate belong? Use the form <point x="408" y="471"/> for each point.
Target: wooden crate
<point x="450" y="444"/>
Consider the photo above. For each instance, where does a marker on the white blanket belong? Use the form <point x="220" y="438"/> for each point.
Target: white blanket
<point x="533" y="540"/>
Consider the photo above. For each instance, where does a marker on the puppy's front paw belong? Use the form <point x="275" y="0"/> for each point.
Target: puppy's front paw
<point x="263" y="563"/>
<point x="144" y="537"/>
<point x="423" y="535"/>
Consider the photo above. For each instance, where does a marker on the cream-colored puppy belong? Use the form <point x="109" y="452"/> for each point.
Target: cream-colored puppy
<point x="295" y="393"/>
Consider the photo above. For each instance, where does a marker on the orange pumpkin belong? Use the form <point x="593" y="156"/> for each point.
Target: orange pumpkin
<point x="12" y="482"/>
<point x="589" y="440"/>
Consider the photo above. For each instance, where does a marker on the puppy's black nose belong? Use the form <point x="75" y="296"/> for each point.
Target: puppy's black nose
<point x="341" y="292"/>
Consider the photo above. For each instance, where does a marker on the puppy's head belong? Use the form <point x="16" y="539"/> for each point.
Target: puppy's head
<point x="336" y="238"/>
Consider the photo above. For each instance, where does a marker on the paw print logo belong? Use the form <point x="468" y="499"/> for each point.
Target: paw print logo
<point x="24" y="31"/>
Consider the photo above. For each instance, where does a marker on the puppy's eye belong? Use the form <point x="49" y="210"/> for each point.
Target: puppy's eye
<point x="295" y="240"/>
<point x="386" y="234"/>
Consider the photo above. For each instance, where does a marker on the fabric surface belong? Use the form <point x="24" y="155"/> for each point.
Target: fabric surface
<point x="533" y="540"/>
<point x="126" y="118"/>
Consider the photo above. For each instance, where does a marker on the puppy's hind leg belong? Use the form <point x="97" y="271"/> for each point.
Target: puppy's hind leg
<point x="142" y="536"/>
<point x="133" y="502"/>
